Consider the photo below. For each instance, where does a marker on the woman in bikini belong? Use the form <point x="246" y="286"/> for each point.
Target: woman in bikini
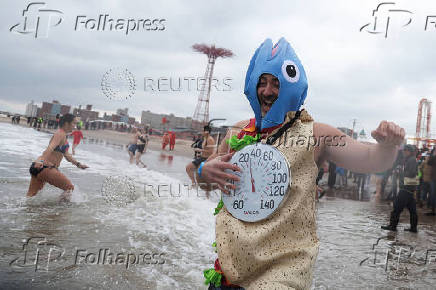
<point x="45" y="167"/>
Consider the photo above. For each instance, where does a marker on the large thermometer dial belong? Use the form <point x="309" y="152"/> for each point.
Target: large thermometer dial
<point x="264" y="180"/>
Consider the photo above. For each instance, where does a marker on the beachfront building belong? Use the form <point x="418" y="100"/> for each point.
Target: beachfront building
<point x="164" y="121"/>
<point x="31" y="109"/>
<point x="86" y="114"/>
<point x="123" y="112"/>
<point x="49" y="111"/>
<point x="121" y="117"/>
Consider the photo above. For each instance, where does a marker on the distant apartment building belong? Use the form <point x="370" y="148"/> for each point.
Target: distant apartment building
<point x="171" y="121"/>
<point x="45" y="110"/>
<point x="123" y="117"/>
<point x="31" y="110"/>
<point x="86" y="114"/>
<point x="123" y="112"/>
<point x="116" y="118"/>
<point x="50" y="110"/>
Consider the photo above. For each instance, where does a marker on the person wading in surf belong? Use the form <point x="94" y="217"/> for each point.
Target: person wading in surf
<point x="45" y="167"/>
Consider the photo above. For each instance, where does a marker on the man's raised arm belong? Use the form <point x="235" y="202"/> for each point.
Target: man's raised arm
<point x="364" y="158"/>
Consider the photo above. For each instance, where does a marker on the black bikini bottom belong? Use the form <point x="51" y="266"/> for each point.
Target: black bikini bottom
<point x="35" y="171"/>
<point x="140" y="148"/>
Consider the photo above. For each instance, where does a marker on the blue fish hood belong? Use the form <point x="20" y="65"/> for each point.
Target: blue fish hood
<point x="284" y="64"/>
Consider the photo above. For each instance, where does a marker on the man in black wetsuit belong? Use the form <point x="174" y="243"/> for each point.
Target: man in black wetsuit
<point x="406" y="196"/>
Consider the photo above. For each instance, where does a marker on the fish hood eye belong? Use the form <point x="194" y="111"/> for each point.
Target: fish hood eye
<point x="290" y="71"/>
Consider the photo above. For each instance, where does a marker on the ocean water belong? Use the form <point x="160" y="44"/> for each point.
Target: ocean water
<point x="146" y="228"/>
<point x="166" y="221"/>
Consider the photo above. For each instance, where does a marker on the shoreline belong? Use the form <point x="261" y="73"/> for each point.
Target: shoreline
<point x="181" y="148"/>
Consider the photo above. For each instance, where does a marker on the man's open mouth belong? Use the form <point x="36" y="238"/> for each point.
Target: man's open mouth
<point x="268" y="103"/>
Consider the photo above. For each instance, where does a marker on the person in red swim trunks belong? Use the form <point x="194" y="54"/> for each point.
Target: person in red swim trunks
<point x="165" y="140"/>
<point x="77" y="136"/>
<point x="172" y="140"/>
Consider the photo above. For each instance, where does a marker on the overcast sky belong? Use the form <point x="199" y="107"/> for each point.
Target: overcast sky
<point x="351" y="74"/>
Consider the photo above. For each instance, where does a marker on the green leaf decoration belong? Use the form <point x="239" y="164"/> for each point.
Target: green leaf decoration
<point x="237" y="144"/>
<point x="219" y="207"/>
<point x="213" y="277"/>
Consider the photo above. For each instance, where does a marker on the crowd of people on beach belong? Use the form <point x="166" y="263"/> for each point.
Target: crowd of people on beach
<point x="44" y="123"/>
<point x="136" y="147"/>
<point x="53" y="123"/>
<point x="15" y="119"/>
<point x="413" y="179"/>
<point x="410" y="182"/>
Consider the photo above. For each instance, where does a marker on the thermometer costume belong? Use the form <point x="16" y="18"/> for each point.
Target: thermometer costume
<point x="279" y="251"/>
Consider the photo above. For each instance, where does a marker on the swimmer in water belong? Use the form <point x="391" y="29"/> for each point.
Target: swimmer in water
<point x="140" y="147"/>
<point x="131" y="147"/>
<point x="202" y="153"/>
<point x="77" y="135"/>
<point x="45" y="167"/>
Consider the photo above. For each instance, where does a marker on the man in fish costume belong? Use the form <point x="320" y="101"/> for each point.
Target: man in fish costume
<point x="279" y="252"/>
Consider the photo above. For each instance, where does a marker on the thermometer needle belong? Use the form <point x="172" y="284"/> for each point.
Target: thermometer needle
<point x="252" y="180"/>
